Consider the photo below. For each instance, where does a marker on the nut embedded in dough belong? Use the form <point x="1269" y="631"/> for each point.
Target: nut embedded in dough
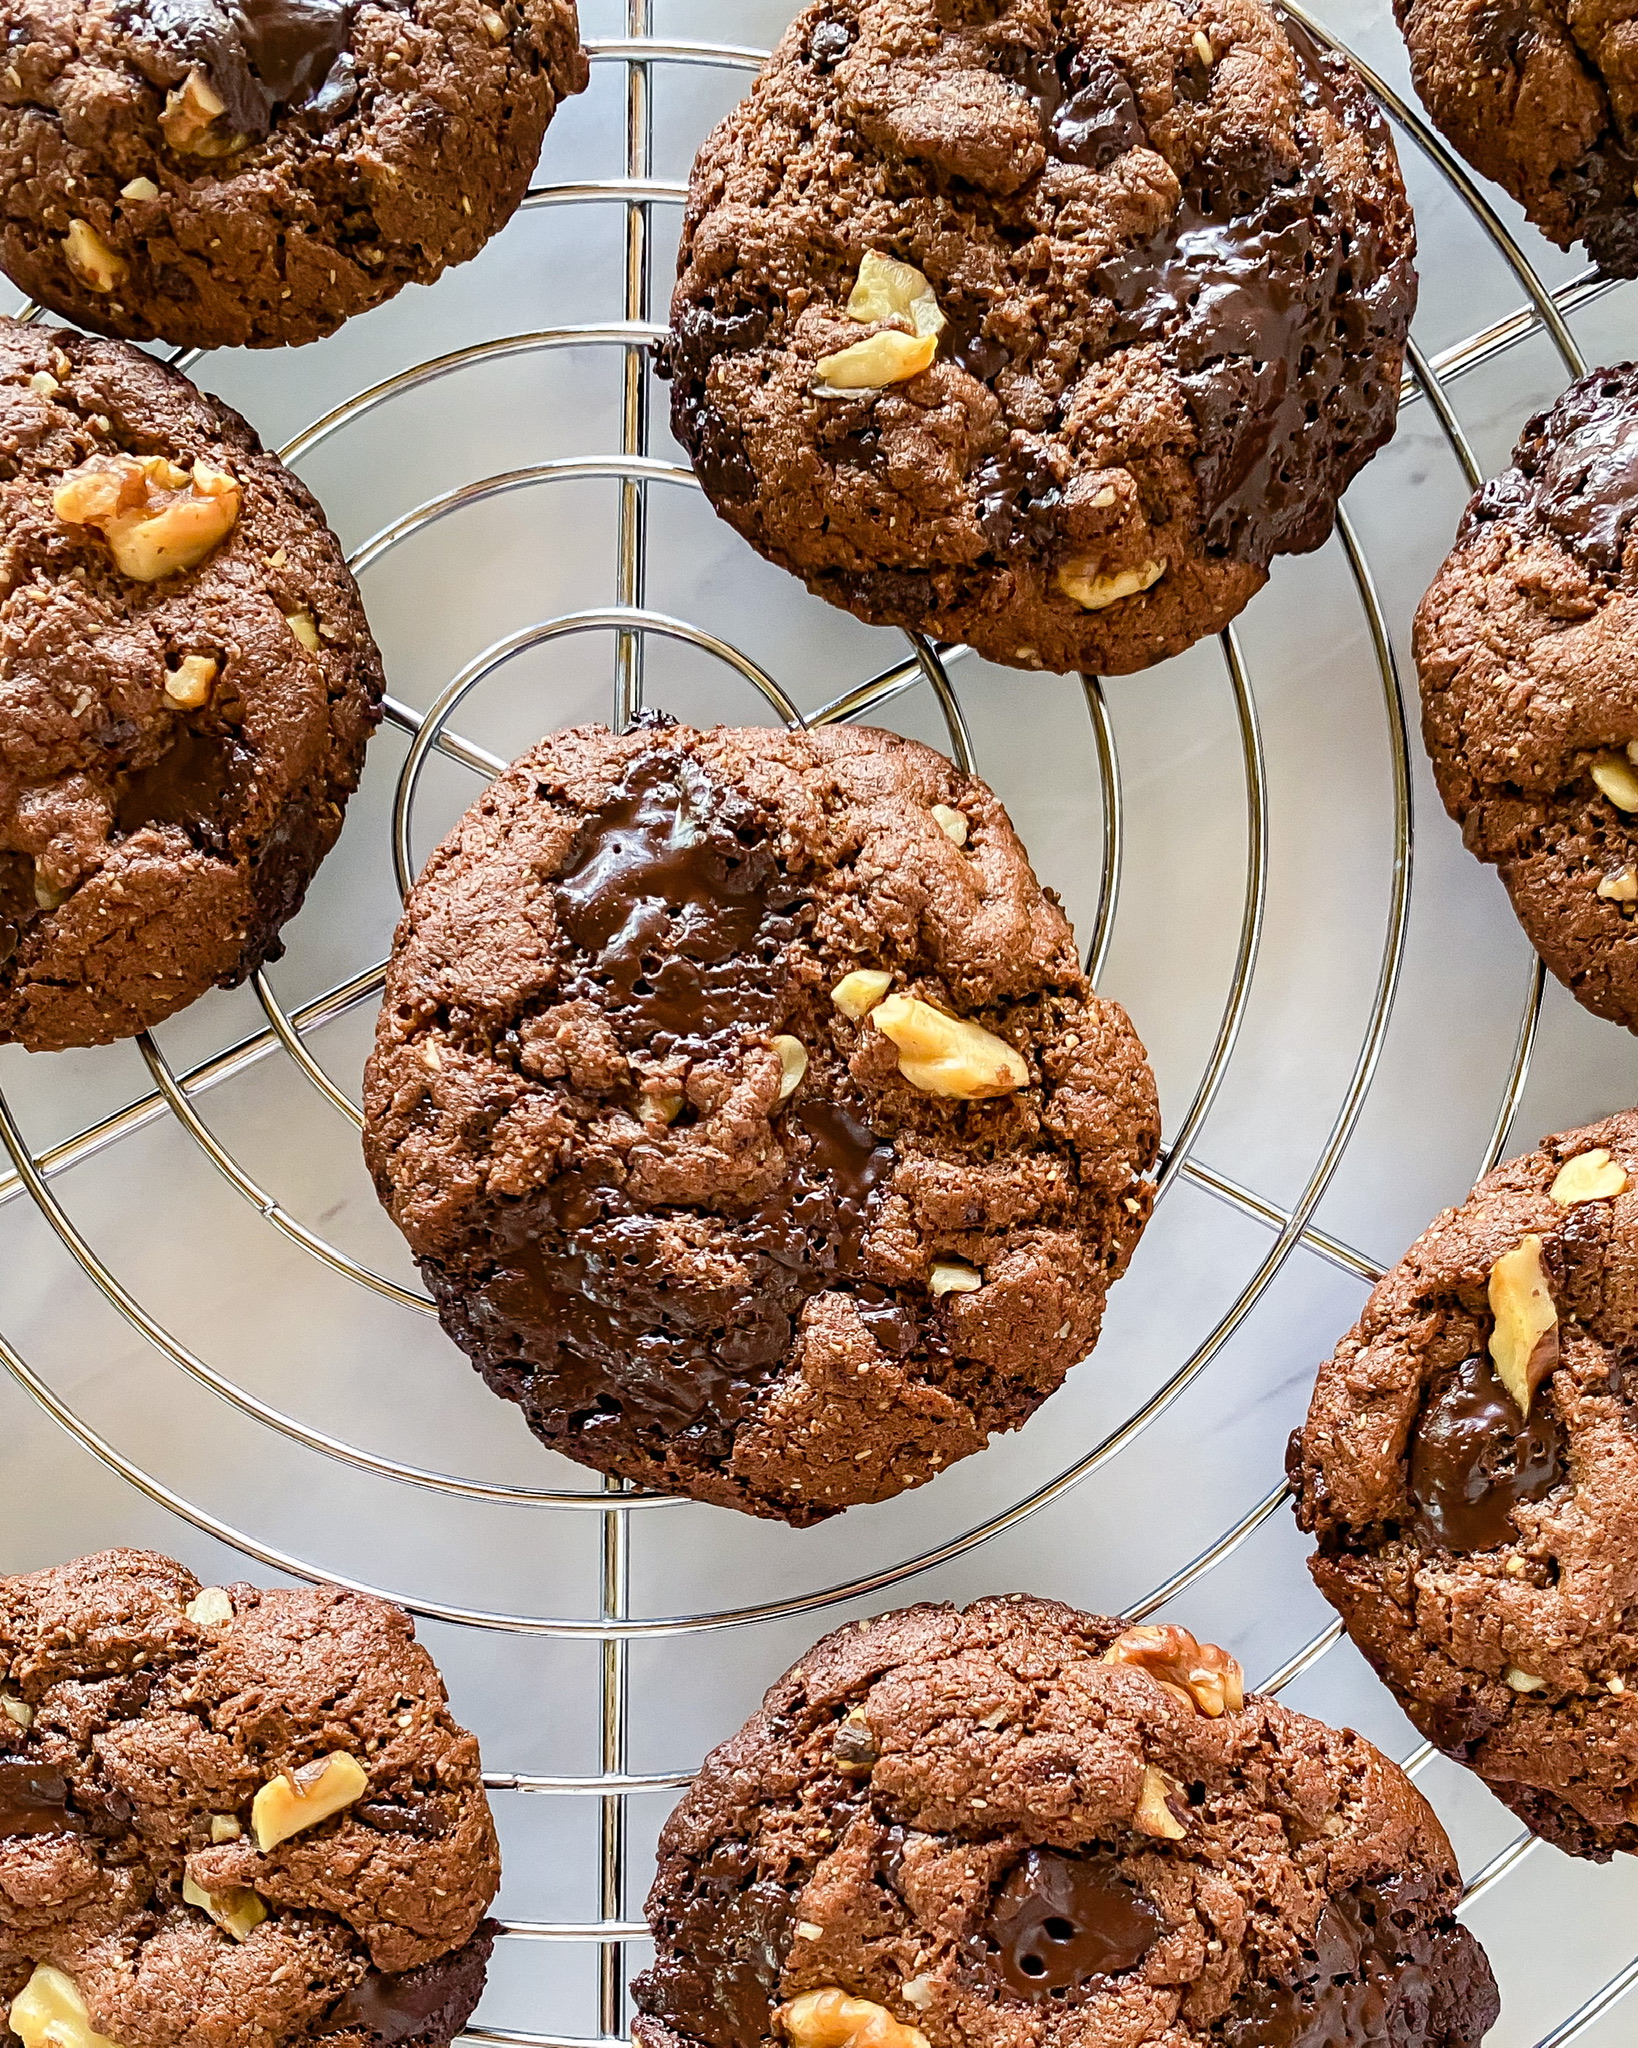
<point x="886" y="357"/>
<point x="1616" y="777"/>
<point x="191" y="111"/>
<point x="953" y="1276"/>
<point x="50" y="2013"/>
<point x="1154" y="1815"/>
<point x="1590" y="1177"/>
<point x="950" y="1056"/>
<point x="301" y="1799"/>
<point x="831" y="2019"/>
<point x="188" y="687"/>
<point x="237" y="1911"/>
<point x="858" y="993"/>
<point x="1208" y="1678"/>
<point x="1085" y="583"/>
<point x="155" y="517"/>
<point x="98" y="268"/>
<point x="952" y="823"/>
<point x="793" y="1062"/>
<point x="301" y="624"/>
<point x="1524" y="1343"/>
<point x="890" y="290"/>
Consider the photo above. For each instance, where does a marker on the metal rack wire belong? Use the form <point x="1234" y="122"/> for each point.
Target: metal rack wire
<point x="632" y="624"/>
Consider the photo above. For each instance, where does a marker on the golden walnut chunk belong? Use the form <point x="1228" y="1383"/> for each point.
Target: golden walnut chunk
<point x="88" y="256"/>
<point x="156" y="518"/>
<point x="858" y="993"/>
<point x="237" y="1911"/>
<point x="301" y="1799"/>
<point x="191" y="112"/>
<point x="889" y="290"/>
<point x="1156" y="1814"/>
<point x="950" y="1056"/>
<point x="831" y="2019"/>
<point x="793" y="1064"/>
<point x="188" y="687"/>
<point x="1524" y="1343"/>
<point x="50" y="2013"/>
<point x="1615" y="776"/>
<point x="1207" y="1678"/>
<point x="1086" y="585"/>
<point x="1590" y="1177"/>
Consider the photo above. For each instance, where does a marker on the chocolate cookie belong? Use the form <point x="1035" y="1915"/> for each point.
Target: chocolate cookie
<point x="231" y="1815"/>
<point x="1527" y="648"/>
<point x="1470" y="1470"/>
<point x="241" y="173"/>
<point x="1042" y="329"/>
<point x="748" y="1112"/>
<point x="1017" y="1824"/>
<point x="1539" y="96"/>
<point x="189" y="685"/>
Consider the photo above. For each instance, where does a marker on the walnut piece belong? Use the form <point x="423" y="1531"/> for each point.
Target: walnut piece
<point x="237" y="1911"/>
<point x="1621" y="887"/>
<point x="1085" y="583"/>
<point x="191" y="113"/>
<point x="1154" y="1815"/>
<point x="885" y="357"/>
<point x="1615" y="777"/>
<point x="858" y="993"/>
<point x="139" y="188"/>
<point x="831" y="2019"/>
<point x="1522" y="1681"/>
<point x="156" y="518"/>
<point x="1589" y="1177"/>
<point x="188" y="686"/>
<point x="301" y="1799"/>
<point x="793" y="1061"/>
<point x="953" y="1276"/>
<point x="18" y="1711"/>
<point x="949" y="1056"/>
<point x="210" y="1607"/>
<point x="50" y="2013"/>
<point x="1209" y="1679"/>
<point x="96" y="266"/>
<point x="224" y="1827"/>
<point x="853" y="1747"/>
<point x="1524" y="1343"/>
<point x="951" y="823"/>
<point x="896" y="292"/>
<point x="301" y="624"/>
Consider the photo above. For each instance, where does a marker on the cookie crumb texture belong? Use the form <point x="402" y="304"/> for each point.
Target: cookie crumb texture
<point x="1173" y="258"/>
<point x="681" y="1202"/>
<point x="1482" y="1560"/>
<point x="176" y="743"/>
<point x="1526" y="645"/>
<point x="134" y="1741"/>
<point x="244" y="175"/>
<point x="939" y="1812"/>
<point x="1537" y="94"/>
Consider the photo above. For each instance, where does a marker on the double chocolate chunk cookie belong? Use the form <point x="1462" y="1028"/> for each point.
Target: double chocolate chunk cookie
<point x="189" y="683"/>
<point x="1017" y="1824"/>
<point x="1042" y="327"/>
<point x="238" y="173"/>
<point x="1539" y="95"/>
<point x="1470" y="1470"/>
<point x="230" y="1816"/>
<point x="746" y="1108"/>
<point x="1527" y="648"/>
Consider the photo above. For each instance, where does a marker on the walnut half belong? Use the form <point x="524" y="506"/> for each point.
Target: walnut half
<point x="156" y="518"/>
<point x="831" y="2019"/>
<point x="50" y="2013"/>
<point x="950" y="1056"/>
<point x="1524" y="1343"/>
<point x="1208" y="1678"/>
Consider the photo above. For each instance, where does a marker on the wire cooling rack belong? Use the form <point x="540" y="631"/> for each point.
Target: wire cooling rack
<point x="112" y="1163"/>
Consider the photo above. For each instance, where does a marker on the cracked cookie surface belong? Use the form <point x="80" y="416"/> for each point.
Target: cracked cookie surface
<point x="140" y="1724"/>
<point x="942" y="1815"/>
<point x="1543" y="97"/>
<point x="1171" y="253"/>
<point x="240" y="175"/>
<point x="659" y="1158"/>
<point x="175" y="748"/>
<point x="1484" y="1560"/>
<point x="1527" y="649"/>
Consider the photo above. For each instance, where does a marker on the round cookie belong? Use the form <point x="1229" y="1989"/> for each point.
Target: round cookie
<point x="243" y="173"/>
<point x="1538" y="96"/>
<point x="1527" y="649"/>
<point x="749" y="1115"/>
<point x="154" y="1736"/>
<point x="1042" y="329"/>
<point x="1017" y="1825"/>
<point x="189" y="685"/>
<point x="1485" y="1560"/>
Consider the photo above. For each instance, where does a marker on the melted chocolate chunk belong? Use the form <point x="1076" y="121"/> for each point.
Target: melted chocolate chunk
<point x="17" y="903"/>
<point x="1087" y="110"/>
<point x="1368" y="1984"/>
<point x="700" y="336"/>
<point x="965" y="342"/>
<point x="261" y="55"/>
<point x="1061" y="1925"/>
<point x="676" y="898"/>
<point x="1587" y="485"/>
<point x="33" y="1798"/>
<point x="389" y="2008"/>
<point x="1473" y="1460"/>
<point x="1269" y="315"/>
<point x="1018" y="497"/>
<point x="191" y="784"/>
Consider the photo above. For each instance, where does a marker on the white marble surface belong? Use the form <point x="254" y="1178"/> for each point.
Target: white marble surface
<point x="203" y="1261"/>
